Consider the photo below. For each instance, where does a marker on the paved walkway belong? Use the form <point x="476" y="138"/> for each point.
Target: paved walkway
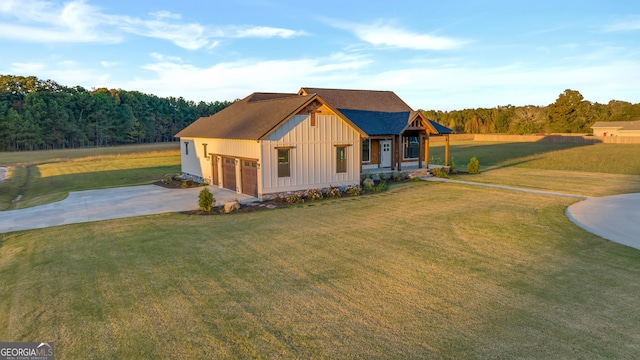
<point x="615" y="218"/>
<point x="114" y="203"/>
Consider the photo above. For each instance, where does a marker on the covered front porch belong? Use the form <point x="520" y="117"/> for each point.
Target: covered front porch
<point x="409" y="151"/>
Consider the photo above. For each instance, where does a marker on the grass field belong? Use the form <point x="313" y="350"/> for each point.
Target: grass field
<point x="590" y="170"/>
<point x="425" y="270"/>
<point x="452" y="273"/>
<point x="46" y="176"/>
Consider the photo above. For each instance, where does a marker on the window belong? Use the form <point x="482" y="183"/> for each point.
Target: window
<point x="341" y="159"/>
<point x="411" y="147"/>
<point x="205" y="150"/>
<point x="284" y="168"/>
<point x="366" y="157"/>
<point x="186" y="148"/>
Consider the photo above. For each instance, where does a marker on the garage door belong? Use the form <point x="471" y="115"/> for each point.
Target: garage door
<point x="214" y="170"/>
<point x="229" y="173"/>
<point x="250" y="177"/>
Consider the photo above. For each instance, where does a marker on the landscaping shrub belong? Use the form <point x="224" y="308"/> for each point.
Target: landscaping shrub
<point x="354" y="190"/>
<point x="313" y="195"/>
<point x="439" y="172"/>
<point x="187" y="183"/>
<point x="382" y="186"/>
<point x="334" y="192"/>
<point x="452" y="168"/>
<point x="474" y="166"/>
<point x="206" y="200"/>
<point x="293" y="199"/>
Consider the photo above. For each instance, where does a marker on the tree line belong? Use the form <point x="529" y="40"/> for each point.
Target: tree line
<point x="40" y="114"/>
<point x="570" y="113"/>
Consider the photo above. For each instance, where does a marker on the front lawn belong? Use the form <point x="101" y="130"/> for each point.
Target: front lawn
<point x="426" y="270"/>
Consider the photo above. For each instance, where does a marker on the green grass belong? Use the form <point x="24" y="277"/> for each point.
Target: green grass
<point x="424" y="271"/>
<point x="598" y="158"/>
<point x="49" y="176"/>
<point x="39" y="157"/>
<point x="590" y="170"/>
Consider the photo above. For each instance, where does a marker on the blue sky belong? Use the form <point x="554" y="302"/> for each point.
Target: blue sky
<point x="434" y="54"/>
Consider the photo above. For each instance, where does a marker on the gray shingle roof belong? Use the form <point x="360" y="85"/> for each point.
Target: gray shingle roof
<point x="378" y="122"/>
<point x="441" y="129"/>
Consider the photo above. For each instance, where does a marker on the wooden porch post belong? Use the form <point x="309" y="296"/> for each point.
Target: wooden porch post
<point x="446" y="150"/>
<point x="420" y="151"/>
<point x="399" y="152"/>
<point x="426" y="152"/>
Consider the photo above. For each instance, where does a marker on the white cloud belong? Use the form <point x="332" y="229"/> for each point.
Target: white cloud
<point x="187" y="36"/>
<point x="165" y="58"/>
<point x="108" y="64"/>
<point x="65" y="72"/>
<point x="630" y="24"/>
<point x="231" y="80"/>
<point x="386" y="35"/>
<point x="267" y="32"/>
<point x="166" y="15"/>
<point x="40" y="21"/>
<point x="27" y="68"/>
<point x="76" y="21"/>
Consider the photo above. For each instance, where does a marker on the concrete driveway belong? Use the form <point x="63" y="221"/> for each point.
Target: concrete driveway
<point x="114" y="203"/>
<point x="615" y="218"/>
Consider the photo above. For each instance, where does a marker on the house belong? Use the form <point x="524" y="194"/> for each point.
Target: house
<point x="616" y="128"/>
<point x="270" y="143"/>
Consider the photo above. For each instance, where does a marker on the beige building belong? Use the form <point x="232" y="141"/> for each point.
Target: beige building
<point x="616" y="128"/>
<point x="270" y="143"/>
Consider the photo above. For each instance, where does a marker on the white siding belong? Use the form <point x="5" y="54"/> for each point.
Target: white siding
<point x="313" y="156"/>
<point x="199" y="164"/>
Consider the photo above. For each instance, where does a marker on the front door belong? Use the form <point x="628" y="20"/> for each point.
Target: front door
<point x="385" y="153"/>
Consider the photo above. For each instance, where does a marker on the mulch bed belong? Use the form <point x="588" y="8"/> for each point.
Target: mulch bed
<point x="244" y="208"/>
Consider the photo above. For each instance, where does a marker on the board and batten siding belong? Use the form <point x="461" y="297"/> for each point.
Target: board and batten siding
<point x="312" y="154"/>
<point x="197" y="163"/>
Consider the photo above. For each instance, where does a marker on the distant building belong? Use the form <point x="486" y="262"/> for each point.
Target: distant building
<point x="616" y="128"/>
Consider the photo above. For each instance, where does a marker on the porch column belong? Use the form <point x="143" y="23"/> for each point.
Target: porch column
<point x="446" y="150"/>
<point x="420" y="151"/>
<point x="426" y="152"/>
<point x="399" y="152"/>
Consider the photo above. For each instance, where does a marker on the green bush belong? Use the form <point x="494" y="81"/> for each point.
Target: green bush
<point x="206" y="200"/>
<point x="293" y="199"/>
<point x="439" y="172"/>
<point x="474" y="166"/>
<point x="313" y="195"/>
<point x="354" y="190"/>
<point x="382" y="186"/>
<point x="334" y="192"/>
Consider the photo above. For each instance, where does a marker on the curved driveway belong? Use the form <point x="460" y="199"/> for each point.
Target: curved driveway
<point x="616" y="218"/>
<point x="114" y="203"/>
